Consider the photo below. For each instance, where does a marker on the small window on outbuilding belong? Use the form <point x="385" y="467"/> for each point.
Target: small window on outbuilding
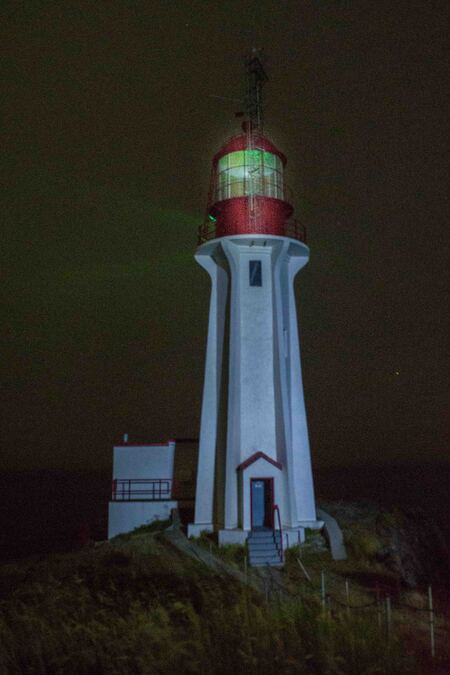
<point x="255" y="273"/>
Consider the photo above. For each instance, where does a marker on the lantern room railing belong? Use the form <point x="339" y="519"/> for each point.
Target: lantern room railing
<point x="292" y="229"/>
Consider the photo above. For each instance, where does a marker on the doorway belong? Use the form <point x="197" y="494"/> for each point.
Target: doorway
<point x="261" y="503"/>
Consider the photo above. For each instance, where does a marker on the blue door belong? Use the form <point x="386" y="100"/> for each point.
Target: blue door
<point x="261" y="495"/>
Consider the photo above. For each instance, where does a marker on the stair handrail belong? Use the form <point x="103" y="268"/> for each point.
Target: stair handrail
<point x="276" y="510"/>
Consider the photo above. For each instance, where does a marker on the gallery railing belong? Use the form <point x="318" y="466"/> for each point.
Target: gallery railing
<point x="292" y="228"/>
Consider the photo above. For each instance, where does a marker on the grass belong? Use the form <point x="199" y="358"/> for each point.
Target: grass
<point x="231" y="553"/>
<point x="138" y="605"/>
<point x="369" y="573"/>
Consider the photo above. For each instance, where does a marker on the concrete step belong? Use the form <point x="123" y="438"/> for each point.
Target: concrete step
<point x="263" y="551"/>
<point x="272" y="560"/>
<point x="261" y="544"/>
<point x="264" y="548"/>
<point x="272" y="550"/>
<point x="260" y="534"/>
<point x="264" y="556"/>
<point x="266" y="537"/>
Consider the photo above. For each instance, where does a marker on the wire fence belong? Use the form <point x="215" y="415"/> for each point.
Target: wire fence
<point x="382" y="605"/>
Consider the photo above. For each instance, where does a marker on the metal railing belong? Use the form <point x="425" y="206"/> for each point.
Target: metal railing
<point x="295" y="230"/>
<point x="142" y="489"/>
<point x="292" y="229"/>
<point x="276" y="510"/>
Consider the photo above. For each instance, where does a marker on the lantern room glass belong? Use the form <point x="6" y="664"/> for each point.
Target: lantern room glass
<point x="249" y="172"/>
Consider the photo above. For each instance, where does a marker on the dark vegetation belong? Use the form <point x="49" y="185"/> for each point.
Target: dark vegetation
<point x="142" y="605"/>
<point x="139" y="605"/>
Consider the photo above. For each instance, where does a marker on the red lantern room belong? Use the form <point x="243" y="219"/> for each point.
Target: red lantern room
<point x="248" y="194"/>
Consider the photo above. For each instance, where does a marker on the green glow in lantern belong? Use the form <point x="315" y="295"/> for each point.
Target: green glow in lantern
<point x="250" y="171"/>
<point x="243" y="162"/>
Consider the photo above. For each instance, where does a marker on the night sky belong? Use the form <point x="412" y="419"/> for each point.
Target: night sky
<point x="110" y="122"/>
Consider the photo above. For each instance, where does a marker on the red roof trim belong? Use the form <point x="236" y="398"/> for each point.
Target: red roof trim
<point x="255" y="457"/>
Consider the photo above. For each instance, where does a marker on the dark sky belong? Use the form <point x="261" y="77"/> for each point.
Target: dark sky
<point x="109" y="130"/>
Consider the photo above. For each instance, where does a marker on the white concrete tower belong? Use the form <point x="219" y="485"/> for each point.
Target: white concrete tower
<point x="254" y="450"/>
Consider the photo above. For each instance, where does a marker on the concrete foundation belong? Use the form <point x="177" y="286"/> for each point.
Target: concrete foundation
<point x="232" y="537"/>
<point x="125" y="516"/>
<point x="195" y="529"/>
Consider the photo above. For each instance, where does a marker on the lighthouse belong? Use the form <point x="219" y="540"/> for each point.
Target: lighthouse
<point x="254" y="475"/>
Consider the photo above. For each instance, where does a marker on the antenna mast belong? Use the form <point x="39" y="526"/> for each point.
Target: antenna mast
<point x="256" y="77"/>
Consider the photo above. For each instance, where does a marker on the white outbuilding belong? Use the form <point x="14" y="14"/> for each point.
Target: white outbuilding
<point x="142" y="486"/>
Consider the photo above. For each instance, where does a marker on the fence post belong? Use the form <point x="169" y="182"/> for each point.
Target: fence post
<point x="304" y="570"/>
<point x="347" y="595"/>
<point x="378" y="608"/>
<point x="299" y="537"/>
<point x="431" y="616"/>
<point x="287" y="540"/>
<point x="388" y="617"/>
<point x="322" y="588"/>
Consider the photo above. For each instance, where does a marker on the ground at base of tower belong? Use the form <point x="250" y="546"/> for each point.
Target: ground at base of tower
<point x="291" y="536"/>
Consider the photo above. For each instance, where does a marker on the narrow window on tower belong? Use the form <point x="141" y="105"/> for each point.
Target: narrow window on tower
<point x="255" y="273"/>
